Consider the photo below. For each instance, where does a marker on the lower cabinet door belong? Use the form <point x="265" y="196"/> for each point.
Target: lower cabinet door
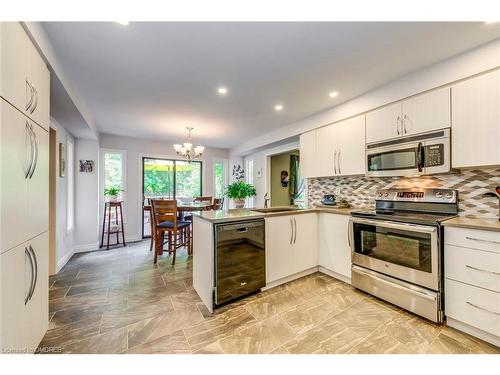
<point x="305" y="241"/>
<point x="334" y="248"/>
<point x="13" y="293"/>
<point x="37" y="308"/>
<point x="279" y="256"/>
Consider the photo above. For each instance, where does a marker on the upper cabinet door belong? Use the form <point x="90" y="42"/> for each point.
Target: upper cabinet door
<point x="476" y="121"/>
<point x="16" y="153"/>
<point x="14" y="65"/>
<point x="40" y="81"/>
<point x="351" y="139"/>
<point x="383" y="123"/>
<point x="308" y="159"/>
<point x="426" y="112"/>
<point x="327" y="151"/>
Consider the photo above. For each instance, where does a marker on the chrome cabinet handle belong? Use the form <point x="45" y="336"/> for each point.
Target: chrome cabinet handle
<point x="482" y="308"/>
<point x="335" y="162"/>
<point x="35" y="104"/>
<point x="479" y="269"/>
<point x="338" y="161"/>
<point x="397" y="124"/>
<point x="349" y="233"/>
<point x="35" y="278"/>
<point x="295" y="231"/>
<point x="291" y="231"/>
<point x="30" y="100"/>
<point x="404" y="124"/>
<point x="29" y="159"/>
<point x="28" y="254"/>
<point x="481" y="240"/>
<point x="35" y="157"/>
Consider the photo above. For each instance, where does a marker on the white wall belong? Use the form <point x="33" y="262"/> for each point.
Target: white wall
<point x="260" y="163"/>
<point x="137" y="148"/>
<point x="470" y="63"/>
<point x="64" y="239"/>
<point x="86" y="197"/>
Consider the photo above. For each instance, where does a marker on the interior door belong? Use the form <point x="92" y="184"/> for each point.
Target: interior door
<point x="38" y="185"/>
<point x="15" y="154"/>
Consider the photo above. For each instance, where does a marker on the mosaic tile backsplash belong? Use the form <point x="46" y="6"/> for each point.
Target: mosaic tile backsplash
<point x="359" y="191"/>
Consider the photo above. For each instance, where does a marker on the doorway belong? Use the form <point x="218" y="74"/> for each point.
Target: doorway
<point x="287" y="185"/>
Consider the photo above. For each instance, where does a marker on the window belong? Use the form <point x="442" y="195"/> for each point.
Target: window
<point x="171" y="179"/>
<point x="70" y="175"/>
<point x="114" y="169"/>
<point x="219" y="178"/>
<point x="249" y="177"/>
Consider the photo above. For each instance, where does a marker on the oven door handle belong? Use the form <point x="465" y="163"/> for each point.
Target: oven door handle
<point x="394" y="225"/>
<point x="420" y="156"/>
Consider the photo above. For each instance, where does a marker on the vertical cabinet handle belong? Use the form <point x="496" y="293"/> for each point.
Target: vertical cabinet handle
<point x="295" y="231"/>
<point x="29" y="155"/>
<point x="29" y="92"/>
<point x="397" y="124"/>
<point x="335" y="162"/>
<point x="338" y="161"/>
<point x="28" y="254"/>
<point x="35" y="103"/>
<point x="291" y="231"/>
<point x="404" y="124"/>
<point x="35" y="278"/>
<point x="35" y="153"/>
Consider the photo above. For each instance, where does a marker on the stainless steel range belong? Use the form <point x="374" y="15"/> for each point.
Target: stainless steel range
<point x="397" y="248"/>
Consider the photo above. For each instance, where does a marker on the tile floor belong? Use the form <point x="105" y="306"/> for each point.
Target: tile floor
<point x="116" y="301"/>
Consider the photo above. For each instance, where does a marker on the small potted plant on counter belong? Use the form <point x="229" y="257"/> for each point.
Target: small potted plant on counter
<point x="240" y="190"/>
<point x="112" y="193"/>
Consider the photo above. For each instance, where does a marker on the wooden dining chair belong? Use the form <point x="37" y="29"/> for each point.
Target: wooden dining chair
<point x="169" y="230"/>
<point x="218" y="204"/>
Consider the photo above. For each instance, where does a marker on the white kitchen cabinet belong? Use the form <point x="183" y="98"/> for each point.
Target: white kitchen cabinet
<point x="383" y="123"/>
<point x="476" y="121"/>
<point x="333" y="244"/>
<point x="14" y="160"/>
<point x="351" y="146"/>
<point x="24" y="292"/>
<point x="308" y="159"/>
<point x="38" y="185"/>
<point x="24" y="77"/>
<point x="418" y="114"/>
<point x="472" y="282"/>
<point x="291" y="245"/>
<point x="426" y="112"/>
<point x="334" y="150"/>
<point x="305" y="242"/>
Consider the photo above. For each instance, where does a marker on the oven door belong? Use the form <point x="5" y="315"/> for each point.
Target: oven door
<point x="408" y="252"/>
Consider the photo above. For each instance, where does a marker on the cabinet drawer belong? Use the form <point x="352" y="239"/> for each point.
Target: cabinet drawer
<point x="471" y="266"/>
<point x="474" y="239"/>
<point x="477" y="307"/>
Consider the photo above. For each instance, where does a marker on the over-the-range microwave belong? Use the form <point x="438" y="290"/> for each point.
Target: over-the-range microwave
<point x="419" y="154"/>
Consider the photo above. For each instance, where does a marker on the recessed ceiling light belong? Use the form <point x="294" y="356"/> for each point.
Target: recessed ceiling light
<point x="333" y="94"/>
<point x="278" y="107"/>
<point x="222" y="90"/>
<point x="124" y="23"/>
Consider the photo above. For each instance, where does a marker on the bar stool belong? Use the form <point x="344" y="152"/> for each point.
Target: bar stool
<point x="114" y="225"/>
<point x="178" y="232"/>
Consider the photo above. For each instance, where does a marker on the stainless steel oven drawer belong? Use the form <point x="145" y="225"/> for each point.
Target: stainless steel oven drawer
<point x="421" y="301"/>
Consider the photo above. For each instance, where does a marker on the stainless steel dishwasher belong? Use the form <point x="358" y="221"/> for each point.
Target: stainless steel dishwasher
<point x="240" y="259"/>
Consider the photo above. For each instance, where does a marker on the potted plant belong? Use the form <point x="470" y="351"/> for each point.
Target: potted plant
<point x="240" y="190"/>
<point x="112" y="192"/>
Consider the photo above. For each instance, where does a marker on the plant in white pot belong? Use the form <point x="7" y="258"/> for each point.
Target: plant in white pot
<point x="112" y="193"/>
<point x="240" y="190"/>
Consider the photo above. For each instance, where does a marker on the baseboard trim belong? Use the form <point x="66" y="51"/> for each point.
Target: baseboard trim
<point x="86" y="247"/>
<point x="287" y="279"/>
<point x="62" y="262"/>
<point x="335" y="275"/>
<point x="473" y="331"/>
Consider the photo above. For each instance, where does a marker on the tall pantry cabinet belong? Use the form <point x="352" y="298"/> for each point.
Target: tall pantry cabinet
<point x="24" y="183"/>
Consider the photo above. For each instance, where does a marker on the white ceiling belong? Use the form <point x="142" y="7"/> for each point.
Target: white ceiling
<point x="151" y="80"/>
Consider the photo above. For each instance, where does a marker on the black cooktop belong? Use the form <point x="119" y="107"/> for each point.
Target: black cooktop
<point x="404" y="216"/>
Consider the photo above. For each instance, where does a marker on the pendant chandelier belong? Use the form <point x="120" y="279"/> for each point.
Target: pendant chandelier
<point x="187" y="150"/>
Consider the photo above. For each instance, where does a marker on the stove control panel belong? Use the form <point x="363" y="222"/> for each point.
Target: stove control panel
<point x="417" y="195"/>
